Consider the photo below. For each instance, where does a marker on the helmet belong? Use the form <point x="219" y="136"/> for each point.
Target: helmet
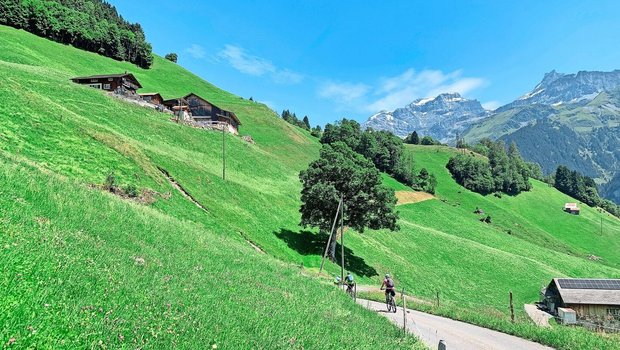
<point x="387" y="275"/>
<point x="348" y="273"/>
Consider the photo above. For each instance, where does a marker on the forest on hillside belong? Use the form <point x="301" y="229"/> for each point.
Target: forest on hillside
<point x="92" y="25"/>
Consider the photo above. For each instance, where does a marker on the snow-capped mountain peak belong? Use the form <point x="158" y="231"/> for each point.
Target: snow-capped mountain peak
<point x="441" y="117"/>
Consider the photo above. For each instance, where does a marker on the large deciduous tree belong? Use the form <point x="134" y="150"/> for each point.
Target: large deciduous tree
<point x="341" y="171"/>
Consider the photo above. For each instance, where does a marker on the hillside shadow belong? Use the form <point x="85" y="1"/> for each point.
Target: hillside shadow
<point x="309" y="243"/>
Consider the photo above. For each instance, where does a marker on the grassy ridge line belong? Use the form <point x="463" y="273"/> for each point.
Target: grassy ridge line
<point x="85" y="269"/>
<point x="170" y="79"/>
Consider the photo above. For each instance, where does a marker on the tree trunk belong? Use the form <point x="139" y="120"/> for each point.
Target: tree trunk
<point x="331" y="254"/>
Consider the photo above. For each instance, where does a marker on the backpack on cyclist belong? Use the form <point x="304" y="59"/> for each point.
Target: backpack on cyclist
<point x="389" y="283"/>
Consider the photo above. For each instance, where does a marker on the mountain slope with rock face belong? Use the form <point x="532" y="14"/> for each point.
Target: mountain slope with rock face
<point x="567" y="119"/>
<point x="441" y="117"/>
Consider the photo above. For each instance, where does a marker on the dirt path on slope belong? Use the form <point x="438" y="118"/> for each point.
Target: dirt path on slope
<point x="457" y="335"/>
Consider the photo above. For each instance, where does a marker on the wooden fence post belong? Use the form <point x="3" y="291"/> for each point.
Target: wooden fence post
<point x="402" y="294"/>
<point x="438" y="299"/>
<point x="512" y="309"/>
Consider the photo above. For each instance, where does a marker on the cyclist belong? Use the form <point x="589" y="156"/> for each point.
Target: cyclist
<point x="349" y="282"/>
<point x="337" y="280"/>
<point x="388" y="283"/>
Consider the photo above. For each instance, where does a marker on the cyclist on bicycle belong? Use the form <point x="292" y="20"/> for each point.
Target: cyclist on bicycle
<point x="349" y="281"/>
<point x="388" y="283"/>
<point x="337" y="280"/>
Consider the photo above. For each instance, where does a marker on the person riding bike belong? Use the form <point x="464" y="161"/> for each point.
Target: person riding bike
<point x="337" y="280"/>
<point x="388" y="283"/>
<point x="349" y="282"/>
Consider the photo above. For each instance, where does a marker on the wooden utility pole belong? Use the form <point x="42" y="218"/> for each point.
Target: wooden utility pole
<point x="342" y="237"/>
<point x="402" y="294"/>
<point x="512" y="309"/>
<point x="223" y="152"/>
<point x="331" y="233"/>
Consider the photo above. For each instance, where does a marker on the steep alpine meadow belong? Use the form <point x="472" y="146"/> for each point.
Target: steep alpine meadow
<point x="87" y="268"/>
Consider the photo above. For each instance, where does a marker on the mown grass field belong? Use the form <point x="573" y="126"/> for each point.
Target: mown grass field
<point x="77" y="248"/>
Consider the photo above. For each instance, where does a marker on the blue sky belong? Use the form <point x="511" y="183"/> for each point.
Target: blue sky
<point x="334" y="59"/>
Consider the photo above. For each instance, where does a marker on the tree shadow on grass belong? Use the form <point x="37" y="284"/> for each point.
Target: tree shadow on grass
<point x="310" y="243"/>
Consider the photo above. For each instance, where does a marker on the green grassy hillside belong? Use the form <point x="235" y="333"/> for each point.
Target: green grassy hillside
<point x="84" y="268"/>
<point x="91" y="255"/>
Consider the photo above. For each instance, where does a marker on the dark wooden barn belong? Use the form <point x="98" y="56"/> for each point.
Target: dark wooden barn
<point x="204" y="112"/>
<point x="124" y="82"/>
<point x="152" y="98"/>
<point x="587" y="297"/>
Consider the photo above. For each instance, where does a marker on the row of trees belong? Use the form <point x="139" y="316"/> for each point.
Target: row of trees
<point x="92" y="25"/>
<point x="582" y="188"/>
<point x="504" y="171"/>
<point x="414" y="139"/>
<point x="304" y="123"/>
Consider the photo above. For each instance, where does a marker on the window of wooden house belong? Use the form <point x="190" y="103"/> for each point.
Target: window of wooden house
<point x="96" y="86"/>
<point x="94" y="80"/>
<point x="110" y="79"/>
<point x="106" y="86"/>
<point x="613" y="312"/>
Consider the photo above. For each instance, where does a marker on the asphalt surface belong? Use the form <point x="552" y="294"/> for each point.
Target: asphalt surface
<point x="457" y="335"/>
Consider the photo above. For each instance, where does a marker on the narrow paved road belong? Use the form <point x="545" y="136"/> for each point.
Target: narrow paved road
<point x="456" y="334"/>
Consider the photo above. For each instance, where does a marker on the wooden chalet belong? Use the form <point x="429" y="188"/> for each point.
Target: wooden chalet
<point x="587" y="297"/>
<point x="152" y="98"/>
<point x="205" y="113"/>
<point x="572" y="208"/>
<point x="125" y="83"/>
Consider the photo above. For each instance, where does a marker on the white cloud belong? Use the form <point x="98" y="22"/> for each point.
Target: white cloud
<point x="399" y="90"/>
<point x="196" y="51"/>
<point x="241" y="60"/>
<point x="491" y="105"/>
<point x="343" y="92"/>
<point x="287" y="76"/>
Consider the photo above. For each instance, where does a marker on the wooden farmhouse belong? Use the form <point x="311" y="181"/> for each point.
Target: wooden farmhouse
<point x="572" y="208"/>
<point x="589" y="298"/>
<point x="206" y="113"/>
<point x="125" y="83"/>
<point x="152" y="98"/>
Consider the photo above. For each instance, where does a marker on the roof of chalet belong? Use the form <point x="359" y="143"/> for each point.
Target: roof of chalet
<point x="150" y="94"/>
<point x="588" y="291"/>
<point x="232" y="114"/>
<point x="104" y="76"/>
<point x="175" y="101"/>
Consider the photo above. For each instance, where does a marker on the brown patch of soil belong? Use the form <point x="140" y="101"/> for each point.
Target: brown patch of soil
<point x="407" y="197"/>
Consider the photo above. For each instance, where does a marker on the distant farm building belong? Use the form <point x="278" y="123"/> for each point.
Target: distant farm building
<point x="152" y="98"/>
<point x="125" y="83"/>
<point x="205" y="113"/>
<point x="588" y="298"/>
<point x="572" y="208"/>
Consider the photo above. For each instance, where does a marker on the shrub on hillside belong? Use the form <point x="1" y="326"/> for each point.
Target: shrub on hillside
<point x="173" y="57"/>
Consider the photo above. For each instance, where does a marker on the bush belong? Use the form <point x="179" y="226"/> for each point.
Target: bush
<point x="172" y="57"/>
<point x="110" y="182"/>
<point x="131" y="191"/>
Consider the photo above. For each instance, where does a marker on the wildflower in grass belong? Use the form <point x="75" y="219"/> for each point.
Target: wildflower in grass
<point x="214" y="346"/>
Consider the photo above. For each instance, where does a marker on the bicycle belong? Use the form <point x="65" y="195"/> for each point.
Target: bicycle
<point x="351" y="290"/>
<point x="390" y="302"/>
